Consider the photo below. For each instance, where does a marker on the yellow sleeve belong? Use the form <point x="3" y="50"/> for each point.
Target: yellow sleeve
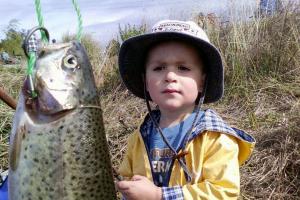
<point x="135" y="161"/>
<point x="220" y="169"/>
<point x="125" y="168"/>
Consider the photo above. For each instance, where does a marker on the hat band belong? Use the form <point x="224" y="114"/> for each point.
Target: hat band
<point x="176" y="27"/>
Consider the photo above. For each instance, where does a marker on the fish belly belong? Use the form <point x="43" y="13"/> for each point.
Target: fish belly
<point x="67" y="159"/>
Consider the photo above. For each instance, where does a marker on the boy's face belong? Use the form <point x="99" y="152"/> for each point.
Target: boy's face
<point x="174" y="76"/>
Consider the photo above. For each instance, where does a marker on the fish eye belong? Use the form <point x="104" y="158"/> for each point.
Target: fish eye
<point x="70" y="61"/>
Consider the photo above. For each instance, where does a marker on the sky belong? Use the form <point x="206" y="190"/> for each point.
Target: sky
<point x="101" y="18"/>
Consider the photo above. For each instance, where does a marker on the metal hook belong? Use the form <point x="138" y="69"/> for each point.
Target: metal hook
<point x="31" y="32"/>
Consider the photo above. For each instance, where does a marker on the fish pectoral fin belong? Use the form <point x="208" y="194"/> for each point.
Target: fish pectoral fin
<point x="15" y="148"/>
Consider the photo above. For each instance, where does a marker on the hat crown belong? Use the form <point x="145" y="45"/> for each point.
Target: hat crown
<point x="184" y="27"/>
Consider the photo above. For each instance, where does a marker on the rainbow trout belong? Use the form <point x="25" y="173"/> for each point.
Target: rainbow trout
<point x="58" y="147"/>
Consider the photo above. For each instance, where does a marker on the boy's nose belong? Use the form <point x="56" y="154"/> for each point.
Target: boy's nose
<point x="170" y="76"/>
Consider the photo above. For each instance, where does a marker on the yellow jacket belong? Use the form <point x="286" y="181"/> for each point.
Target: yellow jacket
<point x="213" y="158"/>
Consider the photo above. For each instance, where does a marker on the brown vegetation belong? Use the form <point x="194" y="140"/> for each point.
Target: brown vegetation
<point x="262" y="90"/>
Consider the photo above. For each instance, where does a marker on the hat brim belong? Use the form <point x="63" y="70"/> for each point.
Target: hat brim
<point x="133" y="54"/>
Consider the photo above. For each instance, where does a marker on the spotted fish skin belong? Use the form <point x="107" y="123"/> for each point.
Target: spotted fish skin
<point x="58" y="147"/>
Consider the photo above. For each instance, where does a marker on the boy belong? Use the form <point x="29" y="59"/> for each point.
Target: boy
<point x="179" y="151"/>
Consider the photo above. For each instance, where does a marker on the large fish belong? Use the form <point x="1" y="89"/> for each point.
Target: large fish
<point x="58" y="147"/>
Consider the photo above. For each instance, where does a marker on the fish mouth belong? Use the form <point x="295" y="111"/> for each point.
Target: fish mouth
<point x="50" y="101"/>
<point x="47" y="102"/>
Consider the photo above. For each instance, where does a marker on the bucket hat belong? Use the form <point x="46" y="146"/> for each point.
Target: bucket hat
<point x="134" y="50"/>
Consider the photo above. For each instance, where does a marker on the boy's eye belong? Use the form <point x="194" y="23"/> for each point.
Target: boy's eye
<point x="158" y="68"/>
<point x="183" y="68"/>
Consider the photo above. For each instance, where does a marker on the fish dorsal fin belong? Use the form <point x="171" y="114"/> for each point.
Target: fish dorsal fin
<point x="16" y="147"/>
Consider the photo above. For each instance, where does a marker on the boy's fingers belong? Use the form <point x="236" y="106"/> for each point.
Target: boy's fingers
<point x="123" y="185"/>
<point x="137" y="177"/>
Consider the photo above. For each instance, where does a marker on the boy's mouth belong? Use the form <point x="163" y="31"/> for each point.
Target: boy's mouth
<point x="170" y="91"/>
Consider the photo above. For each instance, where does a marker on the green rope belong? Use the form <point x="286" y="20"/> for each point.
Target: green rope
<point x="30" y="65"/>
<point x="38" y="10"/>
<point x="79" y="31"/>
<point x="31" y="62"/>
<point x="32" y="55"/>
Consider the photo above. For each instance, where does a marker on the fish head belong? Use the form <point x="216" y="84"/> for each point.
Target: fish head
<point x="63" y="78"/>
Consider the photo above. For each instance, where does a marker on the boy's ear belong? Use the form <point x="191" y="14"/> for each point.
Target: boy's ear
<point x="145" y="83"/>
<point x="202" y="82"/>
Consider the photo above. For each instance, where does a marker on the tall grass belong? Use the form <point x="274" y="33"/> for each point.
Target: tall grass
<point x="11" y="81"/>
<point x="262" y="68"/>
<point x="262" y="90"/>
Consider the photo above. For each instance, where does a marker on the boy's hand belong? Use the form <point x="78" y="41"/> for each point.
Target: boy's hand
<point x="139" y="187"/>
